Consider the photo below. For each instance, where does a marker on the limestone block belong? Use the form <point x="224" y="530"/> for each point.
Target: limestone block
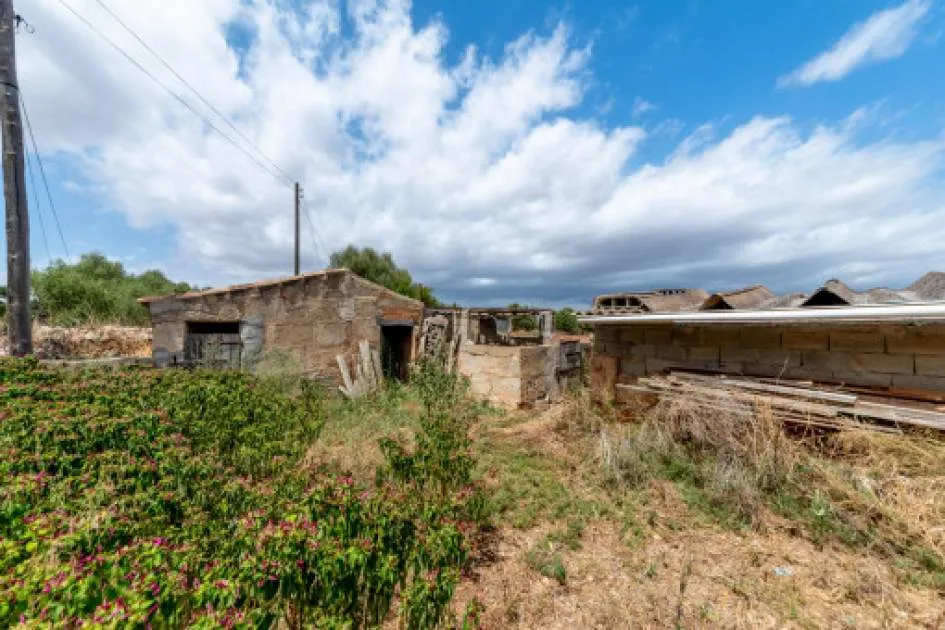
<point x="635" y="366"/>
<point x="632" y="334"/>
<point x="705" y="353"/>
<point x="658" y="335"/>
<point x="672" y="353"/>
<point x="863" y="379"/>
<point x="856" y="341"/>
<point x="606" y="333"/>
<point x="919" y="340"/>
<point x="644" y="350"/>
<point x="930" y="365"/>
<point x="760" y="337"/>
<point x="804" y="339"/>
<point x="687" y="336"/>
<point x="919" y="381"/>
<point x="721" y="336"/>
<point x="884" y="363"/>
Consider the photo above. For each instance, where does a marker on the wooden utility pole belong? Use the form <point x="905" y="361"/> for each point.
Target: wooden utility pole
<point x="298" y="250"/>
<point x="19" y="325"/>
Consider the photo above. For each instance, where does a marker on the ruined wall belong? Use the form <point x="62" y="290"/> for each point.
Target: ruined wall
<point x="510" y="376"/>
<point x="313" y="318"/>
<point x="884" y="355"/>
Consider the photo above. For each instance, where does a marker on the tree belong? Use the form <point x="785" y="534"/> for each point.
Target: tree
<point x="566" y="321"/>
<point x="96" y="289"/>
<point x="380" y="268"/>
<point x="522" y="322"/>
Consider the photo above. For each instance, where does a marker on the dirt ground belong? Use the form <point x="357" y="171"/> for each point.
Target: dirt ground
<point x="660" y="564"/>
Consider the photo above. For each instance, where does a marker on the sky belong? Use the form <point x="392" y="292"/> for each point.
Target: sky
<point x="502" y="150"/>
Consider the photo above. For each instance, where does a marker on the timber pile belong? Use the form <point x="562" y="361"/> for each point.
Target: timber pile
<point x="368" y="372"/>
<point x="788" y="403"/>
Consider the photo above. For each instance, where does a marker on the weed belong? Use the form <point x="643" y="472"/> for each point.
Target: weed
<point x="543" y="559"/>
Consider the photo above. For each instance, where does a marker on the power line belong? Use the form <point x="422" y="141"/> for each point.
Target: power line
<point x="39" y="213"/>
<point x="315" y="234"/>
<point x="280" y="178"/>
<point x="42" y="172"/>
<point x="163" y="62"/>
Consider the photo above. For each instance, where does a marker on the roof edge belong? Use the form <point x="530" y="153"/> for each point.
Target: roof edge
<point x="238" y="288"/>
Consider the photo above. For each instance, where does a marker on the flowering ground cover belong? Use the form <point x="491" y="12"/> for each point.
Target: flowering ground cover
<point x="168" y="499"/>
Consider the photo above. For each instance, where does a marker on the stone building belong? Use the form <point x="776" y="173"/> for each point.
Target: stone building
<point x="878" y="346"/>
<point x="314" y="317"/>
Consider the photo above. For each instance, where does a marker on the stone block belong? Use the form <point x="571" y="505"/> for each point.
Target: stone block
<point x="660" y="366"/>
<point x="633" y="367"/>
<point x="606" y="334"/>
<point x="658" y="335"/>
<point x="631" y="334"/>
<point x="804" y="339"/>
<point x="672" y="353"/>
<point x="884" y="363"/>
<point x="704" y="353"/>
<point x="930" y="365"/>
<point x="760" y="337"/>
<point x="864" y="379"/>
<point x="919" y="381"/>
<point x="721" y="336"/>
<point x="919" y="340"/>
<point x="645" y="350"/>
<point x="687" y="336"/>
<point x="844" y="341"/>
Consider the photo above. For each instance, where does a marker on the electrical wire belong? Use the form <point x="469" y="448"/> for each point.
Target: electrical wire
<point x="317" y="239"/>
<point x="42" y="172"/>
<point x="281" y="178"/>
<point x="39" y="212"/>
<point x="200" y="96"/>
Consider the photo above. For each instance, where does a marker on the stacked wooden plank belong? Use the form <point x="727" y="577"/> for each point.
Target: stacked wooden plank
<point x="788" y="403"/>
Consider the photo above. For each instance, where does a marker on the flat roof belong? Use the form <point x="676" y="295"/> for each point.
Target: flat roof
<point x="866" y="313"/>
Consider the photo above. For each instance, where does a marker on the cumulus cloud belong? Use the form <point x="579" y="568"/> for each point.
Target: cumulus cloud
<point x="479" y="176"/>
<point x="884" y="35"/>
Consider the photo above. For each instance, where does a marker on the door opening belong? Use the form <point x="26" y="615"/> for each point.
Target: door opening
<point x="395" y="351"/>
<point x="213" y="344"/>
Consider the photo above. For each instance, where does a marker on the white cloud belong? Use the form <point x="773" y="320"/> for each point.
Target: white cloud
<point x="480" y="176"/>
<point x="884" y="35"/>
<point x="641" y="106"/>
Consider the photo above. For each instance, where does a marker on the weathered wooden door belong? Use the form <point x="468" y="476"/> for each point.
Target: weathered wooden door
<point x="215" y="345"/>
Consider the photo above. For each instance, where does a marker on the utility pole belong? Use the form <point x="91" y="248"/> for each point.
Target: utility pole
<point x="298" y="249"/>
<point x="19" y="325"/>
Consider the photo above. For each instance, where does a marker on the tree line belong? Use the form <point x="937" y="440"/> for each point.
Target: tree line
<point x="96" y="289"/>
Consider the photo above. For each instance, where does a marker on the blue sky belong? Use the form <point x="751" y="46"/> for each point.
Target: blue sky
<point x="578" y="148"/>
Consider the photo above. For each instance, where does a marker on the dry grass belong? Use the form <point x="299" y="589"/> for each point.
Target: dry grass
<point x="684" y="516"/>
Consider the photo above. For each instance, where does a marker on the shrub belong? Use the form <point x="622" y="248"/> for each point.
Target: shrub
<point x="170" y="499"/>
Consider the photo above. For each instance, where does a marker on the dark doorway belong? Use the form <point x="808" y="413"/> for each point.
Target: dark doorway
<point x="213" y="344"/>
<point x="395" y="351"/>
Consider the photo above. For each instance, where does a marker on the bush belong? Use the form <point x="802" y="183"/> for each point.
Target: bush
<point x="172" y="499"/>
<point x="96" y="289"/>
<point x="566" y="320"/>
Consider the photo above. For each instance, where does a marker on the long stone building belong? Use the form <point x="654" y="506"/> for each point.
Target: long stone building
<point x="313" y="317"/>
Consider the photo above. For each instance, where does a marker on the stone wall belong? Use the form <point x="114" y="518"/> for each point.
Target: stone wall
<point x="313" y="318"/>
<point x="908" y="355"/>
<point x="510" y="376"/>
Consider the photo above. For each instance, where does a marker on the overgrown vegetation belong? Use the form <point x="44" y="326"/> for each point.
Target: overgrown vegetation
<point x="380" y="268"/>
<point x="566" y="320"/>
<point x="736" y="466"/>
<point x="191" y="499"/>
<point x="95" y="290"/>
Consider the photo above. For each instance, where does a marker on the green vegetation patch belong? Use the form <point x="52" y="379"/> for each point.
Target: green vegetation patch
<point x="143" y="498"/>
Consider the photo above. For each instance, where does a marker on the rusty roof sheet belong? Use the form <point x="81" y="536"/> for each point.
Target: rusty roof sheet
<point x="754" y="297"/>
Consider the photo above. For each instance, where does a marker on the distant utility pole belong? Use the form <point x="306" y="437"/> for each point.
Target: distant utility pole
<point x="298" y="250"/>
<point x="19" y="325"/>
